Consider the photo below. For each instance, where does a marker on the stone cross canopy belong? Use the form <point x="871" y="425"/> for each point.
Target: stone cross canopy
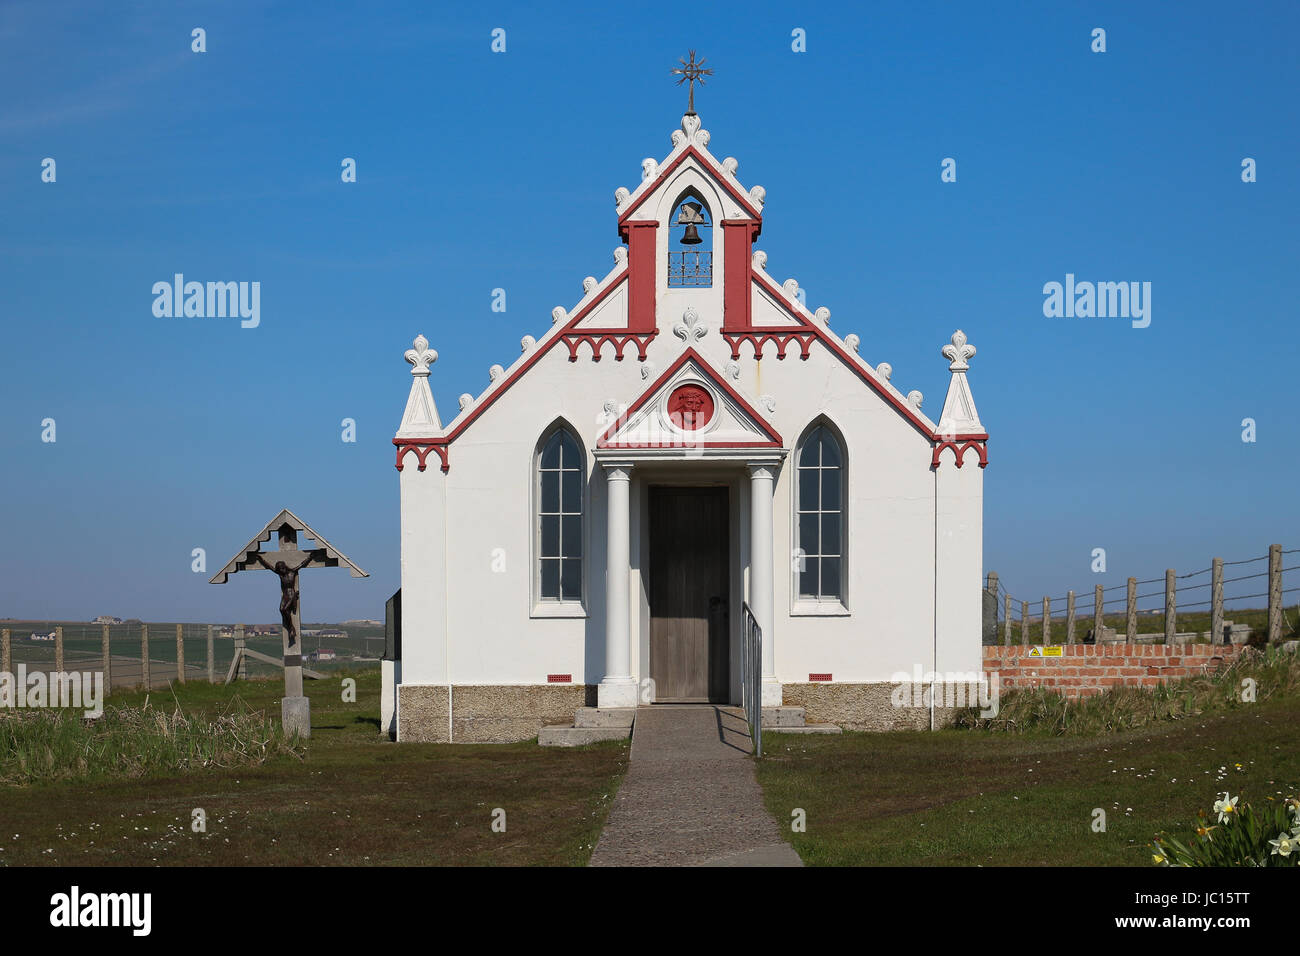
<point x="286" y="526"/>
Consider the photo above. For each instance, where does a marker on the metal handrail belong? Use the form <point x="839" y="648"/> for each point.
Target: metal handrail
<point x="751" y="656"/>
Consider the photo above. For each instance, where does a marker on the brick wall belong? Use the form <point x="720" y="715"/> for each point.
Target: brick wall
<point x="1086" y="669"/>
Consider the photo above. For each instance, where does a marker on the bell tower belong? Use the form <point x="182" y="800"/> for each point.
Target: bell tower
<point x="689" y="229"/>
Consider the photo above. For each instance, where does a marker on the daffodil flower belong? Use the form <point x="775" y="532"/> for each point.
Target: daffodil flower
<point x="1225" y="807"/>
<point x="1285" y="844"/>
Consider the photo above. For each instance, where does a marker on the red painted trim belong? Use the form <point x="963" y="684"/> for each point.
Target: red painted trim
<point x="641" y="240"/>
<point x="758" y="339"/>
<point x="737" y="297"/>
<point x="718" y="176"/>
<point x="535" y="357"/>
<point x="421" y="447"/>
<point x="619" y="338"/>
<point x="960" y="450"/>
<point x="769" y="286"/>
<point x="708" y="371"/>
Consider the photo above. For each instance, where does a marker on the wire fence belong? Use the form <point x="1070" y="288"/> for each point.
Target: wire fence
<point x="137" y="654"/>
<point x="1188" y="607"/>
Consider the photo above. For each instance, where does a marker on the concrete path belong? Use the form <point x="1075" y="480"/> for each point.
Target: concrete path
<point x="690" y="797"/>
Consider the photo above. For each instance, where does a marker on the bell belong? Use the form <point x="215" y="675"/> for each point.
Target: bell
<point x="690" y="215"/>
<point x="692" y="236"/>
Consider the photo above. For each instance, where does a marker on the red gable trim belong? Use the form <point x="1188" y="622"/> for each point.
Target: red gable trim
<point x="536" y="356"/>
<point x="978" y="442"/>
<point x="824" y="337"/>
<point x="774" y="439"/>
<point x="422" y="447"/>
<point x="667" y="171"/>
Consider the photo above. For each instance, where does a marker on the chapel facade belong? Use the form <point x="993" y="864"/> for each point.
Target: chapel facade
<point x="686" y="448"/>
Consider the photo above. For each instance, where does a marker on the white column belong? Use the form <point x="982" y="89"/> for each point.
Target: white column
<point x="618" y="688"/>
<point x="762" y="479"/>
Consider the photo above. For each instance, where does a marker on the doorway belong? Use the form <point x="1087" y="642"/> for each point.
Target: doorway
<point x="688" y="591"/>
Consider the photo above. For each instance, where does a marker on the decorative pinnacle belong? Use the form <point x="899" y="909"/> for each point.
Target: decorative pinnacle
<point x="421" y="357"/>
<point x="959" y="352"/>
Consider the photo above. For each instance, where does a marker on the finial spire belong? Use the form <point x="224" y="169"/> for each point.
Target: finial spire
<point x="692" y="72"/>
<point x="421" y="357"/>
<point x="959" y="352"/>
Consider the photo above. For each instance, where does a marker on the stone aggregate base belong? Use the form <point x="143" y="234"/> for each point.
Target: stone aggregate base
<point x="485" y="713"/>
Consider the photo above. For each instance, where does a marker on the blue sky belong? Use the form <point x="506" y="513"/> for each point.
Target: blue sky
<point x="479" y="171"/>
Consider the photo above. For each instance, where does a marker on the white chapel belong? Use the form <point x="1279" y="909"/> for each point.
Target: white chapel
<point x="686" y="449"/>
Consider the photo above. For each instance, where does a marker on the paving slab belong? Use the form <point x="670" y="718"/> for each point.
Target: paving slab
<point x="690" y="796"/>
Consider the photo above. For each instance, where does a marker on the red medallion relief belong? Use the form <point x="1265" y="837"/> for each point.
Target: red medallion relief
<point x="690" y="407"/>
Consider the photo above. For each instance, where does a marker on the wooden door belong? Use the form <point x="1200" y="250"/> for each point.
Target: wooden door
<point x="689" y="583"/>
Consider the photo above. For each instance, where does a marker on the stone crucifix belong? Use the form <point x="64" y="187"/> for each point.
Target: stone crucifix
<point x="289" y="560"/>
<point x="286" y="562"/>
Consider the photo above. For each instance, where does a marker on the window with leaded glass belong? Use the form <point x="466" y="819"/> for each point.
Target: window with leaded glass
<point x="560" y="474"/>
<point x="819" y="527"/>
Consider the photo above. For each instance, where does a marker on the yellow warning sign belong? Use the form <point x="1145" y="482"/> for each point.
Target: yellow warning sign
<point x="1045" y="652"/>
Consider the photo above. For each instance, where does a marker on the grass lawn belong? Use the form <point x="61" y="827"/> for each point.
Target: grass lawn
<point x="988" y="798"/>
<point x="355" y="799"/>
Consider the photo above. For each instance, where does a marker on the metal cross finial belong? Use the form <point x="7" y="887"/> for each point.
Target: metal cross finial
<point x="694" y="72"/>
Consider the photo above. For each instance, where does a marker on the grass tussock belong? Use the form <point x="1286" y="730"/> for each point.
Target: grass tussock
<point x="1262" y="673"/>
<point x="131" y="742"/>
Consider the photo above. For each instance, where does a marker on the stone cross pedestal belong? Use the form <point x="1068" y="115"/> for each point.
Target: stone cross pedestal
<point x="286" y="562"/>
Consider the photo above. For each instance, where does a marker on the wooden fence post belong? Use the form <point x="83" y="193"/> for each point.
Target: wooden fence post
<point x="180" y="653"/>
<point x="1047" y="620"/>
<point x="239" y="649"/>
<point x="1069" y="617"/>
<point x="1024" y="622"/>
<point x="1131" y="612"/>
<point x="1171" y="606"/>
<point x="106" y="648"/>
<point x="212" y="677"/>
<point x="58" y="649"/>
<point x="1006" y="619"/>
<point x="144" y="656"/>
<point x="1274" y="593"/>
<point x="1216" y="602"/>
<point x="1098" y="613"/>
<point x="6" y="654"/>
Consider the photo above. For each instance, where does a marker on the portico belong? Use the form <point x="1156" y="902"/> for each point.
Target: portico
<point x="746" y="481"/>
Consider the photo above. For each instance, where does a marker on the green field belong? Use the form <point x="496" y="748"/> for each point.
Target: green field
<point x="962" y="797"/>
<point x="355" y="799"/>
<point x="988" y="798"/>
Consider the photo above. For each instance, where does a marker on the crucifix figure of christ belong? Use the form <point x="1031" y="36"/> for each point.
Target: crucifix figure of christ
<point x="287" y="561"/>
<point x="288" y="590"/>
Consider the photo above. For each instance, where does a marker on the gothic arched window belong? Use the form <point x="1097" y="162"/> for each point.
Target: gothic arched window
<point x="819" y="517"/>
<point x="561" y="480"/>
